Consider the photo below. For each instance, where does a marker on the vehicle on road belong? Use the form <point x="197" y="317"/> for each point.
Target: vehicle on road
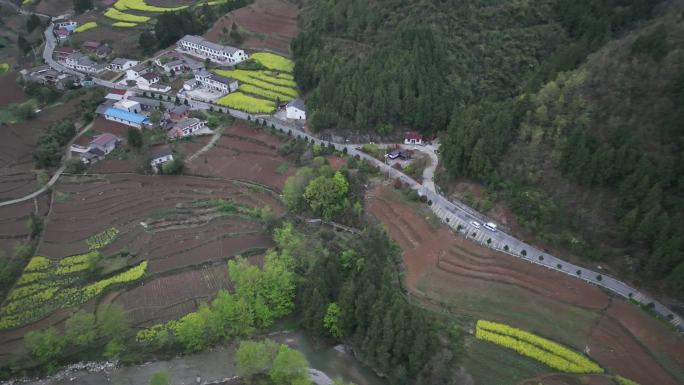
<point x="490" y="226"/>
<point x="475" y="224"/>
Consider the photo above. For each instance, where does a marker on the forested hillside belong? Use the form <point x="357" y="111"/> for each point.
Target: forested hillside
<point x="565" y="110"/>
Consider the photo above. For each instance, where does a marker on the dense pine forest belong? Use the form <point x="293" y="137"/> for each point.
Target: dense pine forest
<point x="564" y="110"/>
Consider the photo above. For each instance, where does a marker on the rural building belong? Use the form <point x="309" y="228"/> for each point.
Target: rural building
<point x="61" y="53"/>
<point x="159" y="156"/>
<point x="147" y="103"/>
<point x="147" y="79"/>
<point x="115" y="95"/>
<point x="216" y="82"/>
<point x="137" y="71"/>
<point x="46" y="75"/>
<point x="179" y="112"/>
<point x="177" y="66"/>
<point x="128" y="105"/>
<point x="185" y="127"/>
<point x="190" y="84"/>
<point x="62" y="34"/>
<point x="121" y="64"/>
<point x="90" y="46"/>
<point x="83" y="63"/>
<point x="99" y="147"/>
<point x="296" y="109"/>
<point x="64" y="23"/>
<point x="198" y="46"/>
<point x="413" y="138"/>
<point x="125" y="117"/>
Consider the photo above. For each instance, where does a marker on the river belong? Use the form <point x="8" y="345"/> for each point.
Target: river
<point x="216" y="364"/>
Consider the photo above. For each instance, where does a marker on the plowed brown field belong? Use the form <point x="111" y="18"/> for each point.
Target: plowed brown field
<point x="444" y="270"/>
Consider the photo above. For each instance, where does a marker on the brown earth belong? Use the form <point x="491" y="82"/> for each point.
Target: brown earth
<point x="55" y="7"/>
<point x="265" y="24"/>
<point x="11" y="90"/>
<point x="447" y="272"/>
<point x="13" y="222"/>
<point x="246" y="153"/>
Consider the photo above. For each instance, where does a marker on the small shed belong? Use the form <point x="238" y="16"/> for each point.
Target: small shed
<point x="296" y="109"/>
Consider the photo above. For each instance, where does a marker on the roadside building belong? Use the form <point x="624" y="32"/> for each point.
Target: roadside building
<point x="83" y="63"/>
<point x="121" y="64"/>
<point x="116" y="95"/>
<point x="216" y="82"/>
<point x="64" y="23"/>
<point x="125" y="117"/>
<point x="61" y="53"/>
<point x="296" y="109"/>
<point x="176" y="66"/>
<point x="138" y="70"/>
<point x="179" y="112"/>
<point x="99" y="147"/>
<point x="185" y="127"/>
<point x="198" y="46"/>
<point x="159" y="156"/>
<point x="413" y="137"/>
<point x="62" y="34"/>
<point x="46" y="75"/>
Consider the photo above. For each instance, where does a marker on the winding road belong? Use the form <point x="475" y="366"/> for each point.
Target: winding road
<point x="455" y="214"/>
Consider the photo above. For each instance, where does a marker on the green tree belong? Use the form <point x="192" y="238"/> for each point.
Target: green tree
<point x="289" y="367"/>
<point x="293" y="190"/>
<point x="190" y="332"/>
<point x="112" y="322"/>
<point x="74" y="166"/>
<point x="327" y="196"/>
<point x="331" y="321"/>
<point x="147" y="42"/>
<point x="23" y="44"/>
<point x="160" y="377"/>
<point x="32" y="22"/>
<point x="255" y="357"/>
<point x="45" y="345"/>
<point x="135" y="138"/>
<point x="80" y="329"/>
<point x="81" y="6"/>
<point x="155" y="116"/>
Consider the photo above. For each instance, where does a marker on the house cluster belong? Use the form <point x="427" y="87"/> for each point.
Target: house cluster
<point x="98" y="148"/>
<point x="82" y="60"/>
<point x="204" y="49"/>
<point x="146" y="78"/>
<point x="63" y="27"/>
<point x="134" y="111"/>
<point x="46" y="75"/>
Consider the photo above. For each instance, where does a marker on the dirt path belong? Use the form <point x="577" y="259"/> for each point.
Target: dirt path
<point x="58" y="173"/>
<point x="208" y="146"/>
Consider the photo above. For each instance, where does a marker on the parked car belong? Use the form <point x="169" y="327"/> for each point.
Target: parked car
<point x="475" y="224"/>
<point x="490" y="226"/>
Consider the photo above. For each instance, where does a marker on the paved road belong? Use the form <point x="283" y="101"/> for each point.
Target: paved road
<point x="57" y="174"/>
<point x="456" y="214"/>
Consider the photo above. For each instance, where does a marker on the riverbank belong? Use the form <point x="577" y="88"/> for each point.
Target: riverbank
<point x="213" y="366"/>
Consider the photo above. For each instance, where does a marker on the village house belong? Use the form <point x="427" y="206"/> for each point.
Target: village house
<point x="128" y="105"/>
<point x="185" y="127"/>
<point x="97" y="48"/>
<point x="115" y="95"/>
<point x="149" y="104"/>
<point x="178" y="112"/>
<point x="62" y="34"/>
<point x="171" y="64"/>
<point x="413" y="138"/>
<point x="125" y="117"/>
<point x="198" y="46"/>
<point x="147" y="79"/>
<point x="296" y="109"/>
<point x="64" y="23"/>
<point x="61" y="53"/>
<point x="216" y="82"/>
<point x="137" y="71"/>
<point x="159" y="156"/>
<point x="83" y="63"/>
<point x="90" y="46"/>
<point x="99" y="147"/>
<point x="46" y="75"/>
<point x="121" y="64"/>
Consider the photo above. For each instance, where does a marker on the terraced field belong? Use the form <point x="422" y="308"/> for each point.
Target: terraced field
<point x="447" y="272"/>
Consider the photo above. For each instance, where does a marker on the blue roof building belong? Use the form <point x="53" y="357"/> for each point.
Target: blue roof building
<point x="125" y="117"/>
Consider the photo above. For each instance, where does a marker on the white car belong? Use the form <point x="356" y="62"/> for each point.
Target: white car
<point x="475" y="224"/>
<point x="490" y="226"/>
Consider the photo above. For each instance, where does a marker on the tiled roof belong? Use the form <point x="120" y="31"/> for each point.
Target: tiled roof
<point x="103" y="139"/>
<point x="297" y="103"/>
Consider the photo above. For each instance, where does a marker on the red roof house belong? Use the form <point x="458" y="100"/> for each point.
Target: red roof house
<point x="413" y="137"/>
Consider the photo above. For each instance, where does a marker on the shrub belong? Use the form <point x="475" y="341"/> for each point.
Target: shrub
<point x="102" y="239"/>
<point x="541" y="257"/>
<point x="74" y="166"/>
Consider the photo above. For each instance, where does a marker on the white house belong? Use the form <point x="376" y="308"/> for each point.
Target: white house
<point x="80" y="62"/>
<point x="177" y="66"/>
<point x="198" y="46"/>
<point x="137" y="71"/>
<point x="128" y="105"/>
<point x="115" y="95"/>
<point x="146" y="80"/>
<point x="99" y="147"/>
<point x="121" y="64"/>
<point x="296" y="109"/>
<point x="413" y="138"/>
<point x="216" y="82"/>
<point x="185" y="127"/>
<point x="160" y="156"/>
